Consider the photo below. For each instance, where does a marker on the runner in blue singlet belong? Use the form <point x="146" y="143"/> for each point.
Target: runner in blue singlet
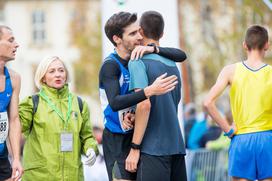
<point x="10" y="128"/>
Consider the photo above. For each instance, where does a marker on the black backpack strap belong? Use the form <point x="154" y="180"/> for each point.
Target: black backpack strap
<point x="35" y="100"/>
<point x="80" y="104"/>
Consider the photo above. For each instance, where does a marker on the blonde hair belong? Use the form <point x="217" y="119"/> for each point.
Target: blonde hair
<point x="42" y="68"/>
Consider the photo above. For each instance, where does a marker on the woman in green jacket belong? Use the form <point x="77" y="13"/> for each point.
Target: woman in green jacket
<point x="58" y="132"/>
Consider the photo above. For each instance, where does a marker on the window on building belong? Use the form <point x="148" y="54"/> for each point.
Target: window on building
<point x="38" y="24"/>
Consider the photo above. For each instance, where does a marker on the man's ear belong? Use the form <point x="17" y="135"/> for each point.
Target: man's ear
<point x="266" y="46"/>
<point x="141" y="31"/>
<point x="161" y="35"/>
<point x="117" y="39"/>
<point x="245" y="46"/>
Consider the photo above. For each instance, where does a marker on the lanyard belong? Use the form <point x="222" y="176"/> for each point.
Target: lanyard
<point x="52" y="105"/>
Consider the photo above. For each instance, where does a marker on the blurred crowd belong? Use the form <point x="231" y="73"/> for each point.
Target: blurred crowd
<point x="201" y="131"/>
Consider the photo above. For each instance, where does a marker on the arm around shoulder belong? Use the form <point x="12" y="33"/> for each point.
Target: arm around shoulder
<point x="175" y="54"/>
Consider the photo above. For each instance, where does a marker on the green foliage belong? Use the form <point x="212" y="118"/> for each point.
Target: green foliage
<point x="223" y="45"/>
<point x="87" y="38"/>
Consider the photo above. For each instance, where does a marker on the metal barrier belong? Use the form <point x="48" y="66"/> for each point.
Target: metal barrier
<point x="207" y="165"/>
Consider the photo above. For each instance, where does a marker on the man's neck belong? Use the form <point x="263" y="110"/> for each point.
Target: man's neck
<point x="255" y="56"/>
<point x="123" y="53"/>
<point x="2" y="65"/>
<point x="147" y="41"/>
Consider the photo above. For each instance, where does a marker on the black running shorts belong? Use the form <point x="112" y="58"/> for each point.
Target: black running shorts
<point x="116" y="148"/>
<point x="5" y="169"/>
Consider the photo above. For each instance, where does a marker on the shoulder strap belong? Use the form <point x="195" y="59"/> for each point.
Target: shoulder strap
<point x="80" y="104"/>
<point x="107" y="58"/>
<point x="35" y="100"/>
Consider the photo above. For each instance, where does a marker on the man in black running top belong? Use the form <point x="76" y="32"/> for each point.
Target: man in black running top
<point x="122" y="29"/>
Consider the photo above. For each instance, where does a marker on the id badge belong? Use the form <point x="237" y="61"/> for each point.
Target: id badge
<point x="66" y="142"/>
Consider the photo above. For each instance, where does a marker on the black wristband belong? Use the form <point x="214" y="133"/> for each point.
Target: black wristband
<point x="153" y="45"/>
<point x="135" y="146"/>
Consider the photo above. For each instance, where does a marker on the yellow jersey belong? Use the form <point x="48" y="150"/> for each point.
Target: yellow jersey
<point x="251" y="98"/>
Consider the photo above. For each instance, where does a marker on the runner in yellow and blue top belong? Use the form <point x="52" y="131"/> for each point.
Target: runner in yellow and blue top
<point x="250" y="83"/>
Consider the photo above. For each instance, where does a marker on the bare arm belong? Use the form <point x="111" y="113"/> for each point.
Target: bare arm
<point x="15" y="126"/>
<point x="141" y="120"/>
<point x="224" y="79"/>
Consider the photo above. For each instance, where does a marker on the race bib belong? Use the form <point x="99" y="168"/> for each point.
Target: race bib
<point x="122" y="114"/>
<point x="4" y="126"/>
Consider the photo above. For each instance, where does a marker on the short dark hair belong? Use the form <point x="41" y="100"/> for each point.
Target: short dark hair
<point x="116" y="24"/>
<point x="152" y="24"/>
<point x="1" y="30"/>
<point x="256" y="37"/>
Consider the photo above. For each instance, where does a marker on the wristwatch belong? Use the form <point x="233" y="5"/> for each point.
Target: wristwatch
<point x="153" y="45"/>
<point x="135" y="146"/>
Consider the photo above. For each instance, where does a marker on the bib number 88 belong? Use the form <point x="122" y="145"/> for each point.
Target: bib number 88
<point x="3" y="126"/>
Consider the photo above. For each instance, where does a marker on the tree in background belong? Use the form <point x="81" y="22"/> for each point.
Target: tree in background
<point x="213" y="34"/>
<point x="86" y="36"/>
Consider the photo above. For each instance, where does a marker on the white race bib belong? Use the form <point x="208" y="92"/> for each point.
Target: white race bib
<point x="4" y="126"/>
<point x="122" y="113"/>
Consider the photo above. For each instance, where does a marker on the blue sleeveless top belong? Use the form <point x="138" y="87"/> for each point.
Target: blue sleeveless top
<point x="113" y="120"/>
<point x="5" y="97"/>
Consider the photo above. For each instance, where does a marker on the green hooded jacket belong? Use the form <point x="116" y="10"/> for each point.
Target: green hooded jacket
<point x="42" y="156"/>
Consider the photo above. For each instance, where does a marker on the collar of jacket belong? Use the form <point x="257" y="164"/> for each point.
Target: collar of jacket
<point x="56" y="93"/>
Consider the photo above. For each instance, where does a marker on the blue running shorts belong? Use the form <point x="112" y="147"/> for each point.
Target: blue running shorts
<point x="250" y="156"/>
